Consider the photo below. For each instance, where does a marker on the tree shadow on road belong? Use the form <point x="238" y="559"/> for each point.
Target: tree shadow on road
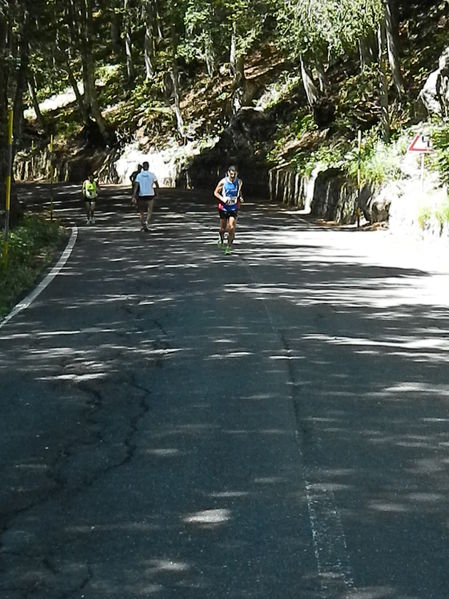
<point x="172" y="415"/>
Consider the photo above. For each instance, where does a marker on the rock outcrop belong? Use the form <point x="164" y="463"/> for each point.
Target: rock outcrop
<point x="435" y="93"/>
<point x="328" y="194"/>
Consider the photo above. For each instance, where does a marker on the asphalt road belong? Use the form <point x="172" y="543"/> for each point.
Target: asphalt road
<point x="272" y="424"/>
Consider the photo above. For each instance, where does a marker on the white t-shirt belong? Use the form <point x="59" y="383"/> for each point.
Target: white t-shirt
<point x="146" y="180"/>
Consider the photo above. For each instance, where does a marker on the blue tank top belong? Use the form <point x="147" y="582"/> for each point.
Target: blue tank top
<point x="231" y="192"/>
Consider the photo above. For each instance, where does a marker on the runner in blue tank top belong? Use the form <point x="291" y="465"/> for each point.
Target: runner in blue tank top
<point x="229" y="194"/>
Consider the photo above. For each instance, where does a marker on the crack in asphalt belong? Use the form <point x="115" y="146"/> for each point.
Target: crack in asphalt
<point x="62" y="485"/>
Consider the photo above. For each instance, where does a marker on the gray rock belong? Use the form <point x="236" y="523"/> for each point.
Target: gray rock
<point x="435" y="93"/>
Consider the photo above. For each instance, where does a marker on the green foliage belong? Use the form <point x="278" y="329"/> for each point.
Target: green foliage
<point x="31" y="247"/>
<point x="302" y="124"/>
<point x="378" y="162"/>
<point x="424" y="216"/>
<point x="326" y="27"/>
<point x="434" y="210"/>
<point x="325" y="156"/>
<point x="69" y="125"/>
<point x="440" y="158"/>
<point x="442" y="213"/>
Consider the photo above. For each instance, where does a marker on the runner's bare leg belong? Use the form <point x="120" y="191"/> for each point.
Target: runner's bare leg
<point x="149" y="211"/>
<point x="223" y="225"/>
<point x="231" y="228"/>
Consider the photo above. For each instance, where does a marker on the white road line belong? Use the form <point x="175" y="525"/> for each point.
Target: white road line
<point x="331" y="551"/>
<point x="328" y="536"/>
<point x="46" y="281"/>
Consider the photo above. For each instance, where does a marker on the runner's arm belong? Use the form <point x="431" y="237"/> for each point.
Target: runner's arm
<point x="239" y="196"/>
<point x="135" y="191"/>
<point x="218" y="190"/>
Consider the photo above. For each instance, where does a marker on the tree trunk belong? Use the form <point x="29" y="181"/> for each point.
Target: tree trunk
<point x="73" y="20"/>
<point x="392" y="47"/>
<point x="78" y="95"/>
<point x="177" y="104"/>
<point x="383" y="86"/>
<point x="21" y="79"/>
<point x="87" y="58"/>
<point x="92" y="93"/>
<point x="34" y="100"/>
<point x="309" y="85"/>
<point x="127" y="39"/>
<point x="237" y="63"/>
<point x="239" y="84"/>
<point x="209" y="56"/>
<point x="3" y="109"/>
<point x="233" y="48"/>
<point x="149" y="43"/>
<point x="8" y="39"/>
<point x="367" y="50"/>
<point x="322" y="77"/>
<point x="115" y="27"/>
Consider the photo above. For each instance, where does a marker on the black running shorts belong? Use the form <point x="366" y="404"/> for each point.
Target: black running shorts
<point x="228" y="213"/>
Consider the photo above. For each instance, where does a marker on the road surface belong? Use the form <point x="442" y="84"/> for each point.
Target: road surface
<point x="273" y="424"/>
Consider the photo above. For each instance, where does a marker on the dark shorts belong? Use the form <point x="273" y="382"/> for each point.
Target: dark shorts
<point x="143" y="201"/>
<point x="228" y="213"/>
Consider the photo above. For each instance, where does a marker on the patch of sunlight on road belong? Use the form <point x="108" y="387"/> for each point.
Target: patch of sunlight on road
<point x="228" y="494"/>
<point x="165" y="565"/>
<point x="235" y="354"/>
<point x="168" y="452"/>
<point x="209" y="518"/>
<point x="441" y="343"/>
<point x="121" y="526"/>
<point x="76" y="378"/>
<point x="395" y="508"/>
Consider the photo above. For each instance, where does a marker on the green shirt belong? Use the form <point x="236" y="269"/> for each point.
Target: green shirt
<point x="90" y="189"/>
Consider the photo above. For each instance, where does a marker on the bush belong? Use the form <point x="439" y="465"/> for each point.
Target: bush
<point x="440" y="157"/>
<point x="31" y="247"/>
<point x="442" y="213"/>
<point x="424" y="216"/>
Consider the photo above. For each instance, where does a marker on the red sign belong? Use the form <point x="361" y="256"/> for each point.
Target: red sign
<point x="421" y="143"/>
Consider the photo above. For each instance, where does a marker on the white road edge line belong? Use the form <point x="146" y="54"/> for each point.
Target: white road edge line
<point x="46" y="281"/>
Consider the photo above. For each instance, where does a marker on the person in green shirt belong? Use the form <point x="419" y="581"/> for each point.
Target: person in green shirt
<point x="90" y="196"/>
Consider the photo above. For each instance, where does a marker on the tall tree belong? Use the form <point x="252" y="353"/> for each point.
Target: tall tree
<point x="383" y="85"/>
<point x="391" y="33"/>
<point x="149" y="47"/>
<point x="4" y="28"/>
<point x="202" y="33"/>
<point x="21" y="77"/>
<point x="317" y="32"/>
<point x="81" y="26"/>
<point x="10" y="25"/>
<point x="127" y="31"/>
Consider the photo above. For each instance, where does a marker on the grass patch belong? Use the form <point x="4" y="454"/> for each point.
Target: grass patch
<point x="424" y="216"/>
<point x="32" y="246"/>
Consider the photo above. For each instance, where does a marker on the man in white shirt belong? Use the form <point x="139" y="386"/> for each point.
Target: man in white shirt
<point x="145" y="185"/>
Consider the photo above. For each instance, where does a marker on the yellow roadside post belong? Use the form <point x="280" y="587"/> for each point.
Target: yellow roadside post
<point x="358" y="211"/>
<point x="51" y="176"/>
<point x="33" y="147"/>
<point x="8" y="189"/>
